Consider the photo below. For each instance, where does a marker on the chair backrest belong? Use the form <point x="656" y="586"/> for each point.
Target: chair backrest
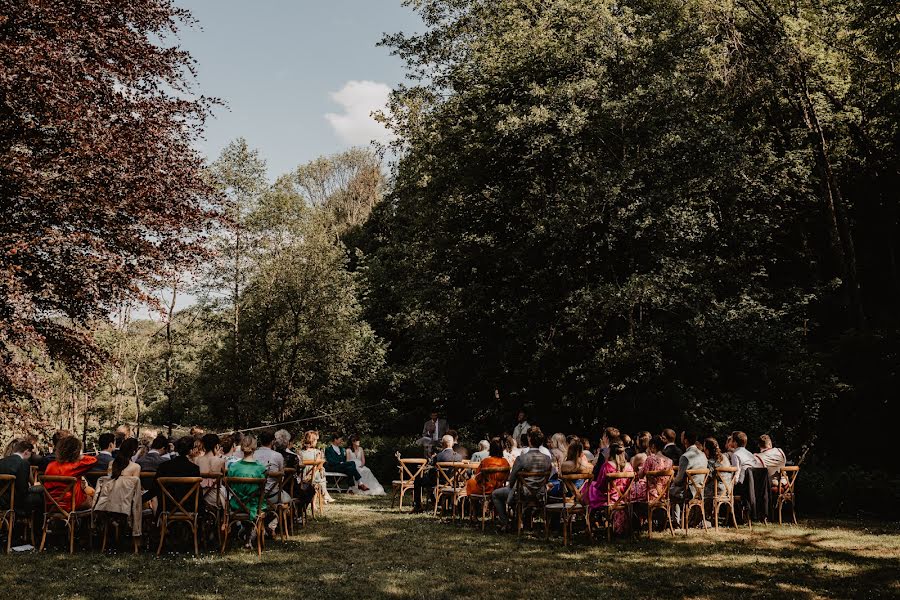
<point x="67" y="486"/>
<point x="615" y="497"/>
<point x="529" y="482"/>
<point x="574" y="489"/>
<point x="727" y="476"/>
<point x="696" y="479"/>
<point x="484" y="475"/>
<point x="786" y="478"/>
<point x="446" y="474"/>
<point x="147" y="478"/>
<point x="653" y="476"/>
<point x="187" y="503"/>
<point x="410" y="468"/>
<point x="8" y="492"/>
<point x="310" y="468"/>
<point x="259" y="482"/>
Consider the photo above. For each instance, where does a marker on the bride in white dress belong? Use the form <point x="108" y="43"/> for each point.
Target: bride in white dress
<point x="356" y="454"/>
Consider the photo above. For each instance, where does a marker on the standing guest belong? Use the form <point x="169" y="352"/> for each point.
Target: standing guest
<point x="106" y="443"/>
<point x="586" y="445"/>
<point x="18" y="463"/>
<point x="522" y="425"/>
<point x="741" y="458"/>
<point x="212" y="462"/>
<point x="434" y="429"/>
<point x="310" y="451"/>
<point x="532" y="461"/>
<point x="483" y="451"/>
<point x="715" y="459"/>
<point x="155" y="455"/>
<point x="510" y="449"/>
<point x="179" y="465"/>
<point x="336" y="461"/>
<point x="671" y="450"/>
<point x="598" y="497"/>
<point x="429" y="478"/>
<point x="770" y="457"/>
<point x="248" y="493"/>
<point x="655" y="461"/>
<point x="692" y="458"/>
<point x="483" y="483"/>
<point x="70" y="462"/>
<point x="356" y="454"/>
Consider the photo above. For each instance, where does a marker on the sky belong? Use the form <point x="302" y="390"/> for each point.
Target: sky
<point x="299" y="77"/>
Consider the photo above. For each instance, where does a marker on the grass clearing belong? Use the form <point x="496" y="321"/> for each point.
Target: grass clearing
<point x="363" y="549"/>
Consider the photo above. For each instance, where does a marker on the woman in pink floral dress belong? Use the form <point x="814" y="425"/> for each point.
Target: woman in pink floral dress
<point x="596" y="492"/>
<point x="656" y="461"/>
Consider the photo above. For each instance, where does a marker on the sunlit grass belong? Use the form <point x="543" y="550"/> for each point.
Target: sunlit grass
<point x="362" y="549"/>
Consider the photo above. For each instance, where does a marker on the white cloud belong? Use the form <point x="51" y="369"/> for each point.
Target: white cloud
<point x="359" y="99"/>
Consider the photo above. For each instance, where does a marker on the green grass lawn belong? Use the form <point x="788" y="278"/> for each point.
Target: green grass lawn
<point x="363" y="549"/>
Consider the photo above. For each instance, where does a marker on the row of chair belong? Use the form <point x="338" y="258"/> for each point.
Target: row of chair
<point x="450" y="492"/>
<point x="179" y="502"/>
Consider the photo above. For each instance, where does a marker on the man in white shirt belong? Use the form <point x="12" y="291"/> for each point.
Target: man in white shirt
<point x="521" y="427"/>
<point x="770" y="457"/>
<point x="742" y="458"/>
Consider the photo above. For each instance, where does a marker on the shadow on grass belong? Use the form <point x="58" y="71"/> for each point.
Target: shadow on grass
<point x="364" y="549"/>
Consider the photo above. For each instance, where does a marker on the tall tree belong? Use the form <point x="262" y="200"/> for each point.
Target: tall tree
<point x="102" y="188"/>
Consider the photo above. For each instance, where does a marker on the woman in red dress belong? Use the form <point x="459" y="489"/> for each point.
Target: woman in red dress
<point x="70" y="462"/>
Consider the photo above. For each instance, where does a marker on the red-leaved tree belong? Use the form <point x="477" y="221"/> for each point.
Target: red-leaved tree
<point x="102" y="192"/>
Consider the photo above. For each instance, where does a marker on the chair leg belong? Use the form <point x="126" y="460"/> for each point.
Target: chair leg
<point x="44" y="536"/>
<point x="194" y="530"/>
<point x="649" y="521"/>
<point x="10" y="525"/>
<point x="260" y="534"/>
<point x="780" y="506"/>
<point x="71" y="524"/>
<point x="794" y="512"/>
<point x="227" y="527"/>
<point x="164" y="527"/>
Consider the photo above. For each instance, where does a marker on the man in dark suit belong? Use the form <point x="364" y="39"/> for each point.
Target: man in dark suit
<point x="180" y="466"/>
<point x="154" y="457"/>
<point x="106" y="443"/>
<point x="671" y="451"/>
<point x="429" y="478"/>
<point x="28" y="498"/>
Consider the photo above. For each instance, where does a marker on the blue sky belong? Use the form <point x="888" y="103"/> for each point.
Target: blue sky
<point x="299" y="76"/>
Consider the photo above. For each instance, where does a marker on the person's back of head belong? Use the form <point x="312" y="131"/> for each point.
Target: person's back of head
<point x="739" y="438"/>
<point x="668" y="435"/>
<point x="266" y="438"/>
<point x="454" y="434"/>
<point x="105" y="441"/>
<point x="160" y="443"/>
<point x="711" y="447"/>
<point x="210" y="441"/>
<point x="484" y="445"/>
<point x="642" y="443"/>
<point x="59" y="435"/>
<point x="574" y="451"/>
<point x="535" y="437"/>
<point x="765" y="442"/>
<point x="282" y="439"/>
<point x="626" y="440"/>
<point x="123" y="458"/>
<point x="689" y="438"/>
<point x="248" y="445"/>
<point x="184" y="445"/>
<point x="447" y="441"/>
<point x="68" y="450"/>
<point x="226" y="443"/>
<point x="656" y="444"/>
<point x="21" y="446"/>
<point x="495" y="448"/>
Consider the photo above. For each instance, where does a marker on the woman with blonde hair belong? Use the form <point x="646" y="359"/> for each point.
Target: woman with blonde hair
<point x="310" y="451"/>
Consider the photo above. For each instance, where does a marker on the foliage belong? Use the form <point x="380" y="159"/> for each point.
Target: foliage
<point x="640" y="212"/>
<point x="101" y="186"/>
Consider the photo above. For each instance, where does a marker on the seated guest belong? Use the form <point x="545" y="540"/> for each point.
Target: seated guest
<point x="482" y="483"/>
<point x="532" y="461"/>
<point x="70" y="462"/>
<point x="715" y="459"/>
<point x="197" y="432"/>
<point x="18" y="463"/>
<point x="671" y="450"/>
<point x="641" y="444"/>
<point x="483" y="451"/>
<point x="106" y="443"/>
<point x="429" y="478"/>
<point x="122" y="465"/>
<point x="596" y="492"/>
<point x="741" y="458"/>
<point x="212" y="462"/>
<point x="692" y="458"/>
<point x="644" y="489"/>
<point x="310" y="451"/>
<point x="521" y="446"/>
<point x="336" y="461"/>
<point x="637" y="461"/>
<point x="770" y="457"/>
<point x="233" y="443"/>
<point x="248" y="493"/>
<point x="510" y="449"/>
<point x="611" y="436"/>
<point x="586" y="444"/>
<point x="51" y="455"/>
<point x="629" y="446"/>
<point x="274" y="463"/>
<point x="11" y="446"/>
<point x="575" y="461"/>
<point x="154" y="456"/>
<point x="283" y="447"/>
<point x="123" y="432"/>
<point x="178" y="466"/>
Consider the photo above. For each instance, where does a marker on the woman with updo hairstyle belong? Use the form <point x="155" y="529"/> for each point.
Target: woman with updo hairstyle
<point x="122" y="464"/>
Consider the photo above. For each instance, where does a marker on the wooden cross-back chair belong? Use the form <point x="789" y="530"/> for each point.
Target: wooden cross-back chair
<point x="274" y="504"/>
<point x="8" y="516"/>
<point x="289" y="486"/>
<point x="616" y="500"/>
<point x="572" y="504"/>
<point x="662" y="502"/>
<point x="185" y="509"/>
<point x="482" y="495"/>
<point x="310" y="468"/>
<point x="213" y="513"/>
<point x="725" y="477"/>
<point x="462" y="473"/>
<point x="446" y="485"/>
<point x="55" y="511"/>
<point x="694" y="497"/>
<point x="410" y="470"/>
<point x="787" y="476"/>
<point x="524" y="499"/>
<point x="243" y="514"/>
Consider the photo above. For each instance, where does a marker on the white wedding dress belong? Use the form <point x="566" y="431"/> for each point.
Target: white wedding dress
<point x="368" y="478"/>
